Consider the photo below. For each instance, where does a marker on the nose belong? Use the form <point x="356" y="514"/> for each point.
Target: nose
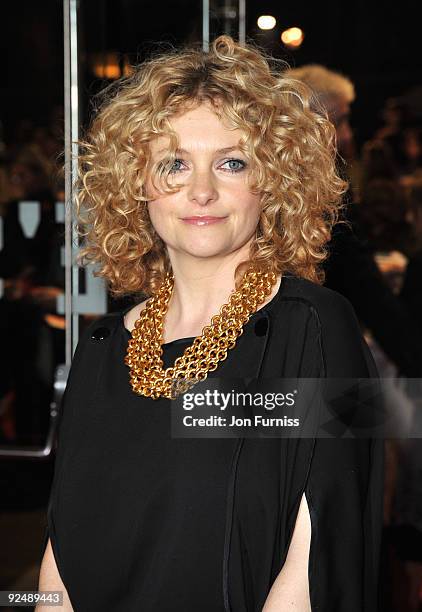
<point x="202" y="188"/>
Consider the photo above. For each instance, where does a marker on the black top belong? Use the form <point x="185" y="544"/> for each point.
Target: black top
<point x="139" y="520"/>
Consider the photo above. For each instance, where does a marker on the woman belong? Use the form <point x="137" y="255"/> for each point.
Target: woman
<point x="201" y="166"/>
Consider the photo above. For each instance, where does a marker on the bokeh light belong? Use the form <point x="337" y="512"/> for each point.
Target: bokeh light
<point x="266" y="22"/>
<point x="292" y="37"/>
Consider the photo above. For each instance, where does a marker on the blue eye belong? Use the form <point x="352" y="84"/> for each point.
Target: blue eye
<point x="235" y="161"/>
<point x="176" y="168"/>
<point x="173" y="169"/>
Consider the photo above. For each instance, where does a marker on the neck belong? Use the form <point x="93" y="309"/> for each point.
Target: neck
<point x="197" y="297"/>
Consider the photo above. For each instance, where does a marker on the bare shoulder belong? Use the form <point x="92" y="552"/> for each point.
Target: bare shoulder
<point x="133" y="314"/>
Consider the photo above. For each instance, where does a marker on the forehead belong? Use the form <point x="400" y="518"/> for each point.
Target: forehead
<point x="199" y="129"/>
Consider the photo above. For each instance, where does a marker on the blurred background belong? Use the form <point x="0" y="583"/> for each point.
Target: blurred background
<point x="363" y="61"/>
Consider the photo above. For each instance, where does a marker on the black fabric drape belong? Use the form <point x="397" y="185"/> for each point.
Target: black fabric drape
<point x="100" y="517"/>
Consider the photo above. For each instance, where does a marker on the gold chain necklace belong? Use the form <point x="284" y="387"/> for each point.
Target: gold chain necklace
<point x="144" y="348"/>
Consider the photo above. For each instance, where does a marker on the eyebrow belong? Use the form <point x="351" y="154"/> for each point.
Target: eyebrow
<point x="223" y="150"/>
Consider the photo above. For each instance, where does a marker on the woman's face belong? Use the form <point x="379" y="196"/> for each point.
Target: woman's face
<point x="215" y="186"/>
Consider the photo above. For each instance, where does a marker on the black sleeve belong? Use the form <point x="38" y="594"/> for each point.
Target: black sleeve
<point x="80" y="370"/>
<point x="345" y="484"/>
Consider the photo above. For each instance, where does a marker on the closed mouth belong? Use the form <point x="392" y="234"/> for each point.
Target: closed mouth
<point x="204" y="218"/>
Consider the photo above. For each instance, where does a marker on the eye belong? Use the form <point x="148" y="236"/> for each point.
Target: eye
<point x="235" y="168"/>
<point x="174" y="167"/>
<point x="236" y="165"/>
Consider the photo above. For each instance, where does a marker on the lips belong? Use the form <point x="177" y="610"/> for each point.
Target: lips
<point x="202" y="218"/>
<point x="201" y="221"/>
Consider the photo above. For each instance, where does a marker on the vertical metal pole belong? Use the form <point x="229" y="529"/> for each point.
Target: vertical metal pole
<point x="242" y="22"/>
<point x="71" y="130"/>
<point x="205" y="25"/>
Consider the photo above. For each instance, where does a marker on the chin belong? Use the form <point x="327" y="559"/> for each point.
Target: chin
<point x="203" y="250"/>
<point x="205" y="253"/>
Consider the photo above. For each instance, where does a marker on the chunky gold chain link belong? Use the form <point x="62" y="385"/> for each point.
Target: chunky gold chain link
<point x="144" y="350"/>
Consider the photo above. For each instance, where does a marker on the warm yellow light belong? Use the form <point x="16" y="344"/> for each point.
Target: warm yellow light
<point x="98" y="70"/>
<point x="266" y="22"/>
<point x="292" y="37"/>
<point x="106" y="67"/>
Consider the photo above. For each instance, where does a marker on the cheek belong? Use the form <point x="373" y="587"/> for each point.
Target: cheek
<point x="163" y="217"/>
<point x="252" y="210"/>
<point x="157" y="214"/>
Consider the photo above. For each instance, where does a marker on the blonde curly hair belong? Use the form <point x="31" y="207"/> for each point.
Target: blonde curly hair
<point x="291" y="148"/>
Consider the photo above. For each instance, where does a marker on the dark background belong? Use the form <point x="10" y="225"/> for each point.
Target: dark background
<point x="376" y="44"/>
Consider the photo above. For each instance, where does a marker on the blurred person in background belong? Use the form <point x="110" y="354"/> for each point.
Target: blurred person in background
<point x="385" y="224"/>
<point x="336" y="93"/>
<point x="406" y="145"/>
<point x="411" y="291"/>
<point x="391" y="115"/>
<point x="404" y="456"/>
<point x="377" y="162"/>
<point x="383" y="212"/>
<point x="31" y="182"/>
<point x="402" y="132"/>
<point x="351" y="268"/>
<point x="30" y="268"/>
<point x="392" y="333"/>
<point x="383" y="216"/>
